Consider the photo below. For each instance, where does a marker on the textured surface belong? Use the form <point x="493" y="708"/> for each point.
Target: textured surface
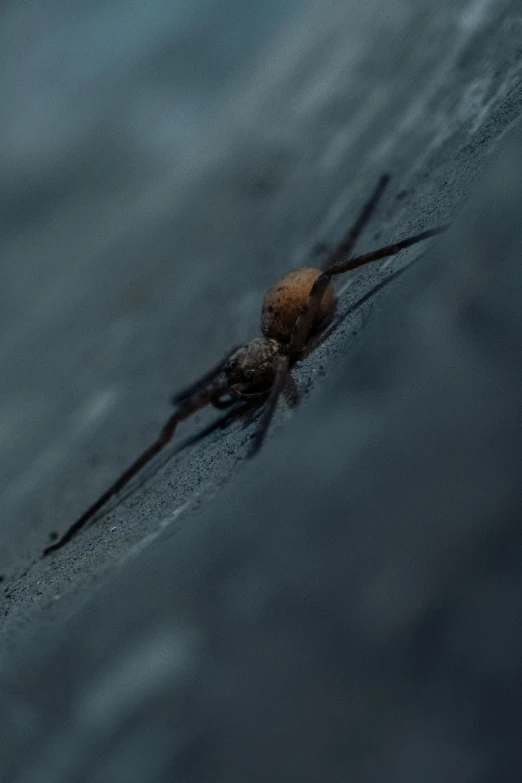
<point x="347" y="604"/>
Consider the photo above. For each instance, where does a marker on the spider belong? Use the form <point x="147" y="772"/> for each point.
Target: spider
<point x="295" y="307"/>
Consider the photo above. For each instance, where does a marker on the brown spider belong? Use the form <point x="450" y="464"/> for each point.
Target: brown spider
<point x="295" y="307"/>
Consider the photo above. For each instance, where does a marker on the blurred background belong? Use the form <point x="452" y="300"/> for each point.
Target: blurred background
<point x="344" y="607"/>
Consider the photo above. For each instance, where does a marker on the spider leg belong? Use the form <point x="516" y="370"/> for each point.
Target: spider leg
<point x="166" y="434"/>
<point x="345" y="247"/>
<point x="318" y="339"/>
<point x="281" y="365"/>
<point x="252" y="414"/>
<point x="202" y="382"/>
<point x="237" y="412"/>
<point x="306" y="317"/>
<point x="255" y="377"/>
<point x="375" y="255"/>
<point x="188" y="406"/>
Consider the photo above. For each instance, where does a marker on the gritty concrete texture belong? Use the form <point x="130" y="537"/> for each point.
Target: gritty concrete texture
<point x="346" y="605"/>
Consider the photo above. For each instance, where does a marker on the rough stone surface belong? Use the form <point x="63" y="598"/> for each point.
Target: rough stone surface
<point x="346" y="606"/>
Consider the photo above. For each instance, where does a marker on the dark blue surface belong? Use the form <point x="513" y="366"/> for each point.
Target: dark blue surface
<point x="346" y="606"/>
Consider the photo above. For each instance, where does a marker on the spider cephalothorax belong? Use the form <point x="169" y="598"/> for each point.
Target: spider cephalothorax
<point x="296" y="306"/>
<point x="250" y="368"/>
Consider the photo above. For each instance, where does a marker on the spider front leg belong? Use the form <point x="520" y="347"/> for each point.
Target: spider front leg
<point x="280" y="366"/>
<point x="383" y="252"/>
<point x="256" y="377"/>
<point x="308" y="313"/>
<point x="188" y="405"/>
<point x="203" y="382"/>
<point x="347" y="244"/>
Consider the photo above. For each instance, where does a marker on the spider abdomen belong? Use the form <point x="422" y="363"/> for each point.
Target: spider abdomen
<point x="283" y="302"/>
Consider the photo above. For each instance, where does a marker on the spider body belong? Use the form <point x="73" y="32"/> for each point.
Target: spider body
<point x="285" y="299"/>
<point x="296" y="306"/>
<point x="250" y="367"/>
